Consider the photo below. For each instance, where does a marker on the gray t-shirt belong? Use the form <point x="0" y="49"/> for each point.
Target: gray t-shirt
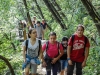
<point x="39" y="30"/>
<point x="32" y="50"/>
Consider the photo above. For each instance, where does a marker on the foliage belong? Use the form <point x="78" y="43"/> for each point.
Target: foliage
<point x="12" y="11"/>
<point x="93" y="61"/>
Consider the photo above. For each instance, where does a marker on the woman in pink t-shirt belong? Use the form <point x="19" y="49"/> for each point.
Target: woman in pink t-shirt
<point x="77" y="51"/>
<point x="53" y="52"/>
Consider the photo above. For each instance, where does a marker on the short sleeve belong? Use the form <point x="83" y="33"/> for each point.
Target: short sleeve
<point x="70" y="42"/>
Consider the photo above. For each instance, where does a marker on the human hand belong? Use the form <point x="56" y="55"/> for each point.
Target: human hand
<point x="54" y="60"/>
<point x="70" y="62"/>
<point x="44" y="64"/>
<point x="83" y="64"/>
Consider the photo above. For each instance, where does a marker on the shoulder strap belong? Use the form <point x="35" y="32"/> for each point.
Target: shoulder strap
<point x="47" y="45"/>
<point x="85" y="39"/>
<point x="58" y="45"/>
<point x="26" y="45"/>
<point x="39" y="41"/>
<point x="72" y="40"/>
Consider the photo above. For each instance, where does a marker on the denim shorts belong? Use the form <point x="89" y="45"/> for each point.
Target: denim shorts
<point x="64" y="64"/>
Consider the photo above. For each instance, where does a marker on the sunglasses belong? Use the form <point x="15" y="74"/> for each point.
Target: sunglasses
<point x="64" y="43"/>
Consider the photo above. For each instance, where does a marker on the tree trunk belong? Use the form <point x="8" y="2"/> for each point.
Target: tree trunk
<point x="28" y="15"/>
<point x="55" y="14"/>
<point x="8" y="64"/>
<point x="40" y="11"/>
<point x="59" y="9"/>
<point x="93" y="13"/>
<point x="24" y="35"/>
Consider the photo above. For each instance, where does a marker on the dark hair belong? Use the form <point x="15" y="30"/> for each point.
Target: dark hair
<point x="38" y="22"/>
<point x="65" y="38"/>
<point x="30" y="31"/>
<point x="33" y="21"/>
<point x="80" y="25"/>
<point x="52" y="33"/>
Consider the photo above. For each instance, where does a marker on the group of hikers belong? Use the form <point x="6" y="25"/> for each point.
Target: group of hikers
<point x="55" y="56"/>
<point x="40" y="26"/>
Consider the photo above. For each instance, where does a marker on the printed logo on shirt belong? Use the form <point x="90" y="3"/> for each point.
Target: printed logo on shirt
<point x="33" y="52"/>
<point x="78" y="44"/>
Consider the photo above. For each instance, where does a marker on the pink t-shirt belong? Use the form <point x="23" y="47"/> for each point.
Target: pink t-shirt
<point x="78" y="48"/>
<point x="52" y="49"/>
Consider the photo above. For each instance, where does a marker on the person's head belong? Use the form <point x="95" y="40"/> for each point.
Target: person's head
<point x="32" y="33"/>
<point x="34" y="18"/>
<point x="20" y="21"/>
<point x="43" y="20"/>
<point x="52" y="37"/>
<point x="64" y="41"/>
<point x="33" y="22"/>
<point x="80" y="30"/>
<point x="38" y="23"/>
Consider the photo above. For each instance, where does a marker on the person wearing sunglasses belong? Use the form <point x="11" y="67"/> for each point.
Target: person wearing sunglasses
<point x="63" y="59"/>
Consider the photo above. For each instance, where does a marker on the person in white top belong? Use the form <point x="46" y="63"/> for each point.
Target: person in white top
<point x="31" y="52"/>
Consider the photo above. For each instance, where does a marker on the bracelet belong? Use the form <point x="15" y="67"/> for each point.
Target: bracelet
<point x="68" y="58"/>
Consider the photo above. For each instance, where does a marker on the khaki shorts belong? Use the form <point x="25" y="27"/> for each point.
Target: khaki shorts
<point x="33" y="68"/>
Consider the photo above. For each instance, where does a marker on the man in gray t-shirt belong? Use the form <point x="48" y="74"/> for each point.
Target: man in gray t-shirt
<point x="39" y="29"/>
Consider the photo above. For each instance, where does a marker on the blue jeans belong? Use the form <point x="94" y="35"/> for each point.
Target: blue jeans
<point x="64" y="64"/>
<point x="53" y="67"/>
<point x="78" y="68"/>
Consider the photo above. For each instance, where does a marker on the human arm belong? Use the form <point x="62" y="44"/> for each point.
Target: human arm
<point x="42" y="55"/>
<point x="58" y="57"/>
<point x="24" y="53"/>
<point x="86" y="56"/>
<point x="86" y="52"/>
<point x="68" y="55"/>
<point x="61" y="52"/>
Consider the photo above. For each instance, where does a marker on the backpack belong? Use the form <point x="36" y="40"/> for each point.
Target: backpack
<point x="39" y="45"/>
<point x="72" y="39"/>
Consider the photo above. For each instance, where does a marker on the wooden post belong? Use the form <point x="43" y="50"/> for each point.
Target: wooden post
<point x="24" y="35"/>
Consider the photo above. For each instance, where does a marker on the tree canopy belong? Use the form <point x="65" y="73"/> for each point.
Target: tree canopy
<point x="62" y="17"/>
